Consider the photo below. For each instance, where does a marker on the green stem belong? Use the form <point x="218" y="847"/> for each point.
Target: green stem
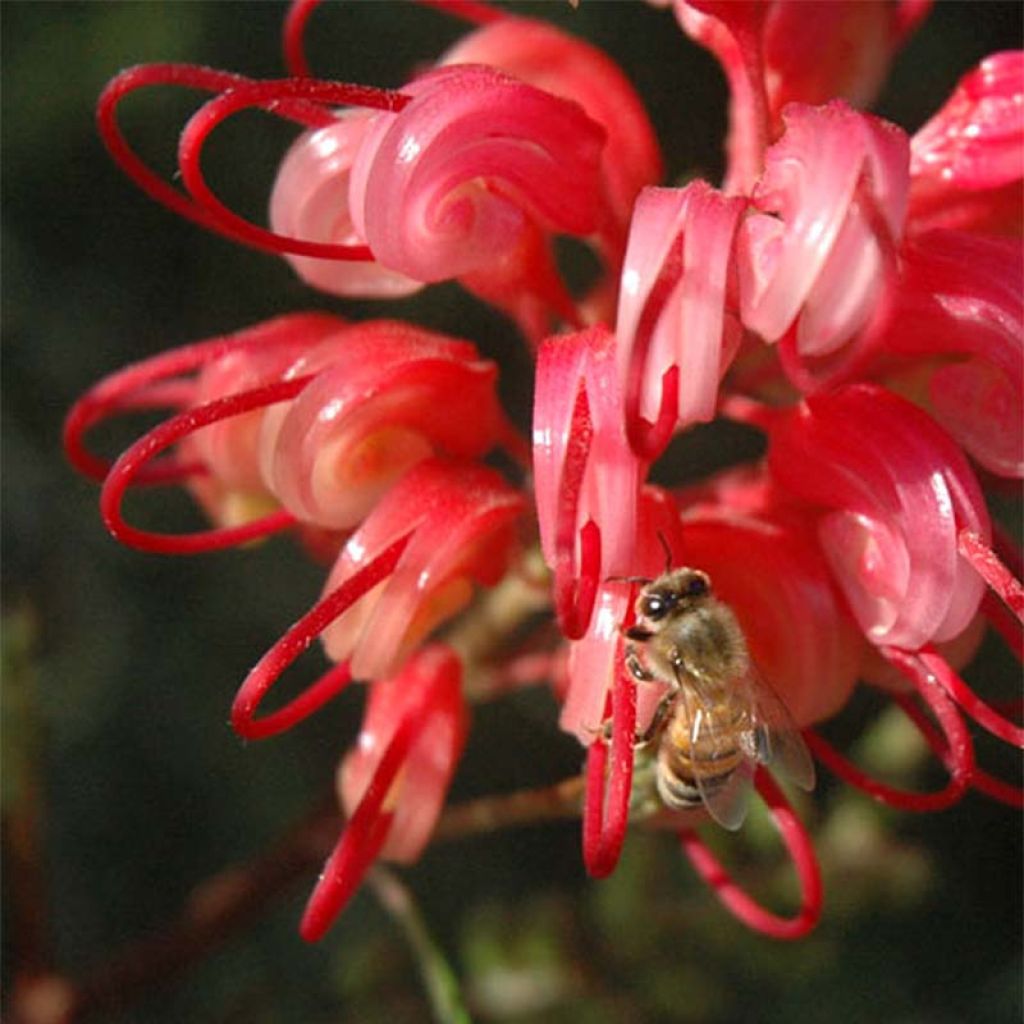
<point x="442" y="985"/>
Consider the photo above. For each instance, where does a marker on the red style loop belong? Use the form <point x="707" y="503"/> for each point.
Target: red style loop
<point x="360" y="841"/>
<point x="158" y="383"/>
<point x="297" y="640"/>
<point x="991" y="569"/>
<point x="801" y="850"/>
<point x="132" y="461"/>
<point x="606" y="805"/>
<point x="969" y="702"/>
<point x="959" y="759"/>
<point x="305" y="101"/>
<point x="262" y="94"/>
<point x="189" y="76"/>
<point x="983" y="782"/>
<point x="292" y="33"/>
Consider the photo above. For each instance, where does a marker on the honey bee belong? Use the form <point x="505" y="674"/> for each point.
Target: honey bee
<point x="719" y="719"/>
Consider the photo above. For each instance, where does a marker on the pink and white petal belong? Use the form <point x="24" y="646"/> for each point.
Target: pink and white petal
<point x="445" y="187"/>
<point x="429" y="688"/>
<point x="310" y="200"/>
<point x="546" y="57"/>
<point x="810" y="182"/>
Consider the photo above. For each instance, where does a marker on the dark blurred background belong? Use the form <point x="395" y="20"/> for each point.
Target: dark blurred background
<point x="120" y="772"/>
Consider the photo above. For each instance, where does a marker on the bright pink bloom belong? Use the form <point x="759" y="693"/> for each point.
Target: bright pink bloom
<point x="587" y="479"/>
<point x="418" y="794"/>
<point x="460" y="520"/>
<point x="894" y="492"/>
<point x="783" y="51"/>
<point x="831" y="202"/>
<point x="409" y="567"/>
<point x="466" y="182"/>
<point x="859" y="549"/>
<point x="556" y="62"/>
<point x="306" y="415"/>
<point x="228" y="421"/>
<point x="675" y="339"/>
<point x="393" y="783"/>
<point x="384" y="396"/>
<point x="967" y="162"/>
<point x="958" y="324"/>
<point x="321" y="195"/>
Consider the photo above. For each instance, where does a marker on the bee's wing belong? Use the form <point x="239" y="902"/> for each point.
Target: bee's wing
<point x="774" y="738"/>
<point x="725" y="795"/>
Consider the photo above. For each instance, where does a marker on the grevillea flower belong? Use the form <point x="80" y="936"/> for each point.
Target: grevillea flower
<point x="393" y="783"/>
<point x="955" y="341"/>
<point x="895" y="492"/>
<point x="551" y="60"/>
<point x="472" y="177"/>
<point x="460" y="520"/>
<point x="675" y="339"/>
<point x="966" y="162"/>
<point x="784" y="51"/>
<point x="845" y="292"/>
<point x="586" y="477"/>
<point x="832" y="197"/>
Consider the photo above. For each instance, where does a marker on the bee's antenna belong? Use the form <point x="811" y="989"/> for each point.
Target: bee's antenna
<point x="628" y="579"/>
<point x="666" y="549"/>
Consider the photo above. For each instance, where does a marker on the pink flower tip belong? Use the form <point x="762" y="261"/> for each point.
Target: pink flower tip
<point x="967" y="162"/>
<point x="893" y="492"/>
<point x="393" y="783"/>
<point x="461" y="519"/>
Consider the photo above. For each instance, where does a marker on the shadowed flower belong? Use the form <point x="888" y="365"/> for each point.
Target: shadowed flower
<point x="844" y="293"/>
<point x="393" y="783"/>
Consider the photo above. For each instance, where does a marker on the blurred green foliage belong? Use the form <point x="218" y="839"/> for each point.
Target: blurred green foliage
<point x="119" y="667"/>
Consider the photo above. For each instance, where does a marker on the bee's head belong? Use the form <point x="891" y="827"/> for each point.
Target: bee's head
<point x="672" y="592"/>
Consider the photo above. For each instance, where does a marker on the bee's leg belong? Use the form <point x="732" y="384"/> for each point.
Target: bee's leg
<point x="644" y="675"/>
<point x="641" y="675"/>
<point x="636" y="669"/>
<point x="657" y="720"/>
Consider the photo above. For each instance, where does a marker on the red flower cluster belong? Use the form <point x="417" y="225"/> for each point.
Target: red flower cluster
<point x="851" y="291"/>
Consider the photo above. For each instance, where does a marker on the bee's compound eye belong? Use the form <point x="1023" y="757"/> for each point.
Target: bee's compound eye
<point x="654" y="606"/>
<point x="698" y="585"/>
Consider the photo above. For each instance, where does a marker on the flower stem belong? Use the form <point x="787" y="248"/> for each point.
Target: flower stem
<point x="440" y="980"/>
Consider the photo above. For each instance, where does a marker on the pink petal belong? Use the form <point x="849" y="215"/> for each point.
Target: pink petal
<point x="593" y="663"/>
<point x="546" y="57"/>
<point x="230" y="449"/>
<point x="672" y="298"/>
<point x="816" y="242"/>
<point x="388" y="396"/>
<point x="429" y="687"/>
<point x="311" y="200"/>
<point x="960" y="314"/>
<point x="445" y="187"/>
<point x="463" y="517"/>
<point x="967" y="162"/>
<point x="606" y="484"/>
<point x="894" y="491"/>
